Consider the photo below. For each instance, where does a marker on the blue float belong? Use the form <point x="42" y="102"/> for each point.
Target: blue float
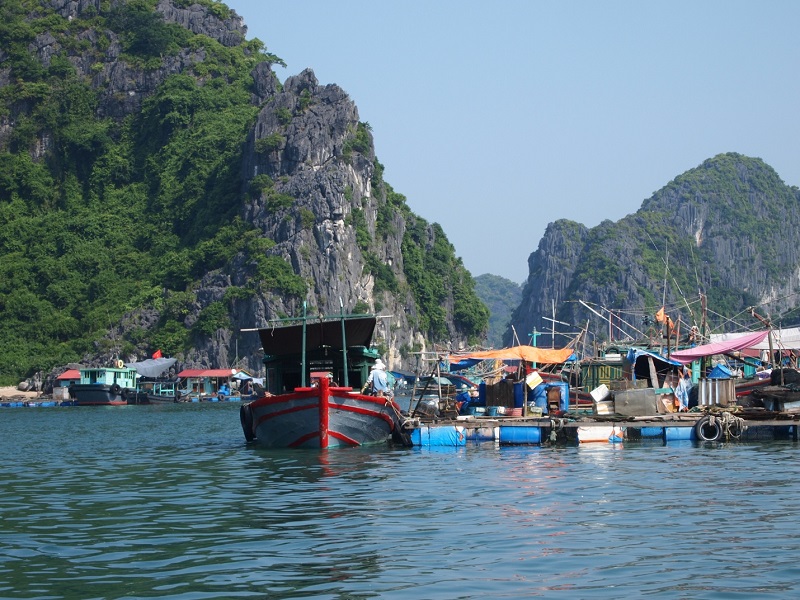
<point x="438" y="436"/>
<point x="652" y="432"/>
<point x="674" y="434"/>
<point x="520" y="434"/>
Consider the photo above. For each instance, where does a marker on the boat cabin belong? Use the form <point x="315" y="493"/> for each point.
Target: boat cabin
<point x="288" y="366"/>
<point x="120" y="375"/>
<point x="165" y="389"/>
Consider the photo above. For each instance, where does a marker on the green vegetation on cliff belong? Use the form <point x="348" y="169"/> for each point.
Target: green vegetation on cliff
<point x="117" y="214"/>
<point x="106" y="210"/>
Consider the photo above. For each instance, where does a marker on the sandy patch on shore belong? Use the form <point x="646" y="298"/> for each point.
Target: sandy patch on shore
<point x="10" y="392"/>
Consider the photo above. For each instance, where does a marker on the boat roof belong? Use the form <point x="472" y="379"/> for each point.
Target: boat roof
<point x="288" y="340"/>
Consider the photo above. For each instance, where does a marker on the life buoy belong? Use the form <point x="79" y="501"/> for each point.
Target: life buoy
<point x="115" y="389"/>
<point x="120" y="364"/>
<point x="708" y="429"/>
<point x="246" y="417"/>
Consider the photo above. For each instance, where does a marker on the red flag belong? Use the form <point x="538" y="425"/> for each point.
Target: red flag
<point x="157" y="353"/>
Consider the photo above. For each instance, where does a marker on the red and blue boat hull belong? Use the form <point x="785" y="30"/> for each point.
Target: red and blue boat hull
<point x="319" y="418"/>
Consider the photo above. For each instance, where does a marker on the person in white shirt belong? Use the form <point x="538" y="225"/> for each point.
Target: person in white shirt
<point x="378" y="380"/>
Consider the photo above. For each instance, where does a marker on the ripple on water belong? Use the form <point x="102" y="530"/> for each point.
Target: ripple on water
<point x="169" y="502"/>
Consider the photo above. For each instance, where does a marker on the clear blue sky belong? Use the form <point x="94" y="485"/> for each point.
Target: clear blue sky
<point x="497" y="118"/>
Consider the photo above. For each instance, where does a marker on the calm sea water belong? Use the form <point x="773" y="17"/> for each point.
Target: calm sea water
<point x="169" y="502"/>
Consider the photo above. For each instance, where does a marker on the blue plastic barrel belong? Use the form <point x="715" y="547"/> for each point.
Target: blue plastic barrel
<point x="674" y="434"/>
<point x="519" y="394"/>
<point x="520" y="434"/>
<point x="438" y="436"/>
<point x="539" y="394"/>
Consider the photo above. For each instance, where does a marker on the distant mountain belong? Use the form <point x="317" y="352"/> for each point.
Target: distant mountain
<point x="728" y="229"/>
<point x="501" y="296"/>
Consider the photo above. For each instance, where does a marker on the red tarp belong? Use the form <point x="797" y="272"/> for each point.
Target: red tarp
<point x="740" y="343"/>
<point x="206" y="373"/>
<point x="531" y="354"/>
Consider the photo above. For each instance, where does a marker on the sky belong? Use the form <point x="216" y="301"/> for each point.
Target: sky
<point x="497" y="118"/>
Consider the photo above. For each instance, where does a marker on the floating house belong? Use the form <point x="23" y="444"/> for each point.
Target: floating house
<point x="205" y="384"/>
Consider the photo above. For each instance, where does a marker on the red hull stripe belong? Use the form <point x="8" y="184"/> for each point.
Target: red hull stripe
<point x="344" y="438"/>
<point x="303" y="439"/>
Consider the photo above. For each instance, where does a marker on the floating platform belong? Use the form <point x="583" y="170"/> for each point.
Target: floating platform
<point x="699" y="427"/>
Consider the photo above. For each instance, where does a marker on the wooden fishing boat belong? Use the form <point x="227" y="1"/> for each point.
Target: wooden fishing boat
<point x="304" y="406"/>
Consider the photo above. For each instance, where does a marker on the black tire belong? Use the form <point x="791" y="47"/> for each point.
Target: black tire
<point x="706" y="431"/>
<point x="246" y="417"/>
<point x="115" y="389"/>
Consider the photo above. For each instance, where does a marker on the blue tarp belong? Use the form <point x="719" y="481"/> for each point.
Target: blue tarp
<point x="635" y="353"/>
<point x="409" y="378"/>
<point x="719" y="372"/>
<point x="641" y="367"/>
<point x="463" y="364"/>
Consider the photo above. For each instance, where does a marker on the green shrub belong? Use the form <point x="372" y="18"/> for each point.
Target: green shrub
<point x="271" y="143"/>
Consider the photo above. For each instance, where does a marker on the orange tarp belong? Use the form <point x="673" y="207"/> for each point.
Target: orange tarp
<point x="530" y="354"/>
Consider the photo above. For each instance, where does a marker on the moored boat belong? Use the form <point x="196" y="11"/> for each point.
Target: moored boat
<point x="154" y="384"/>
<point x="104" y="386"/>
<point x="304" y="406"/>
<point x="320" y="416"/>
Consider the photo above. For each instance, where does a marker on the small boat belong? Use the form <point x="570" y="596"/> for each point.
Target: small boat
<point x="157" y="391"/>
<point x="154" y="385"/>
<point x="104" y="386"/>
<point x="303" y="406"/>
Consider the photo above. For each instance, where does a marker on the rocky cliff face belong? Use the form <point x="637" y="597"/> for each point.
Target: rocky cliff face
<point x="307" y="128"/>
<point x="728" y="229"/>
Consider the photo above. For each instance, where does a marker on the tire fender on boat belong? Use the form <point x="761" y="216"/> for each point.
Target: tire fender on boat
<point x="115" y="389"/>
<point x="246" y="417"/>
<point x="708" y="429"/>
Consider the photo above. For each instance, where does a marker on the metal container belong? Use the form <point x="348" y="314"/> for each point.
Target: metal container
<point x="636" y="403"/>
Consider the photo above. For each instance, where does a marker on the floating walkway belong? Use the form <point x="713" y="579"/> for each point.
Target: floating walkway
<point x="567" y="430"/>
<point x="35" y="403"/>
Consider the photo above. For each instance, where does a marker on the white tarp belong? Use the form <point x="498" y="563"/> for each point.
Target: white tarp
<point x="152" y="367"/>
